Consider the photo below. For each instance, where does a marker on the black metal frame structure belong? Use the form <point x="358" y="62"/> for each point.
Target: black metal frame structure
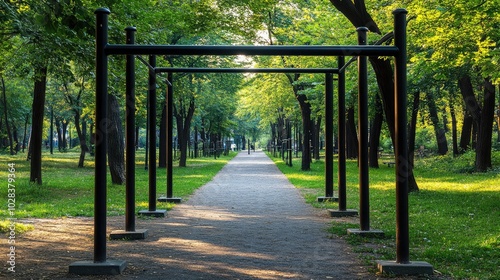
<point x="362" y="51"/>
<point x="328" y="119"/>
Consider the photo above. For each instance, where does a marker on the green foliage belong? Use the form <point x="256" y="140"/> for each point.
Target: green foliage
<point x="452" y="218"/>
<point x="453" y="35"/>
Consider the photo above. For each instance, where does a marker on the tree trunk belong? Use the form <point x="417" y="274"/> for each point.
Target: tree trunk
<point x="498" y="117"/>
<point x="358" y="16"/>
<point x="244" y="142"/>
<point x="25" y="131"/>
<point x="465" y="138"/>
<point x="1" y="140"/>
<point x="59" y="134"/>
<point x="439" y="132"/>
<point x="413" y="128"/>
<point x="305" y="108"/>
<point x="51" y="133"/>
<point x="64" y="124"/>
<point x="30" y="149"/>
<point x="280" y="126"/>
<point x="15" y="135"/>
<point x="183" y="120"/>
<point x="196" y="142"/>
<point x="454" y="128"/>
<point x="469" y="98"/>
<point x="485" y="133"/>
<point x="136" y="137"/>
<point x="84" y="133"/>
<point x="317" y="138"/>
<point x="91" y="138"/>
<point x="475" y="131"/>
<point x="351" y="135"/>
<point x="375" y="130"/>
<point x="81" y="137"/>
<point x="274" y="139"/>
<point x="384" y="74"/>
<point x="7" y="125"/>
<point x="37" y="124"/>
<point x="162" y="158"/>
<point x="356" y="13"/>
<point x="116" y="145"/>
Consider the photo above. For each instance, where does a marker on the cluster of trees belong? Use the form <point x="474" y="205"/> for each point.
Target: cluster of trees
<point x="47" y="64"/>
<point x="453" y="72"/>
<point x="46" y="67"/>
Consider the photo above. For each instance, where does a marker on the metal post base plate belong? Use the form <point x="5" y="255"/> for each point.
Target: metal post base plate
<point x="412" y="268"/>
<point x="109" y="267"/>
<point x="325" y="199"/>
<point x="156" y="213"/>
<point x="367" y="233"/>
<point x="344" y="213"/>
<point x="129" y="235"/>
<point x="170" y="199"/>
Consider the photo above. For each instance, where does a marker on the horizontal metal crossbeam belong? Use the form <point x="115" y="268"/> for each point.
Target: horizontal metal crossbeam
<point x="246" y="70"/>
<point x="251" y="50"/>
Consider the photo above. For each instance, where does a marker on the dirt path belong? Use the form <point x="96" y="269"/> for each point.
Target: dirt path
<point x="249" y="222"/>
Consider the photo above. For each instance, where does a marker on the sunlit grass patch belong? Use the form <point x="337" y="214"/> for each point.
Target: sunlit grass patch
<point x="19" y="228"/>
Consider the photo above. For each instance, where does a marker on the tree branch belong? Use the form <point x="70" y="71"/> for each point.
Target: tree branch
<point x="356" y="13"/>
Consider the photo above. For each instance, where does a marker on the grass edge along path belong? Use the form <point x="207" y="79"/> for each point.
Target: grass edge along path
<point x="68" y="191"/>
<point x="454" y="219"/>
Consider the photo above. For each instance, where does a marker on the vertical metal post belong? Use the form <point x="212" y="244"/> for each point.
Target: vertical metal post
<point x="328" y="135"/>
<point x="51" y="136"/>
<point x="146" y="146"/>
<point x="290" y="144"/>
<point x="152" y="135"/>
<point x="341" y="133"/>
<point x="401" y="141"/>
<point x="364" y="195"/>
<point x="101" y="111"/>
<point x="130" y="135"/>
<point x="170" y="124"/>
<point x="215" y="149"/>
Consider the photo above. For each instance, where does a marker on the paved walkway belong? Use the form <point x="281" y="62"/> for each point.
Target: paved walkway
<point x="250" y="222"/>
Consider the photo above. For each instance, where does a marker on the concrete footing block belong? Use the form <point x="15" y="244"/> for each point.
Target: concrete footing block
<point x="109" y="267"/>
<point x="129" y="235"/>
<point x="170" y="199"/>
<point x="342" y="213"/>
<point x="367" y="233"/>
<point x="327" y="198"/>
<point x="156" y="213"/>
<point x="412" y="268"/>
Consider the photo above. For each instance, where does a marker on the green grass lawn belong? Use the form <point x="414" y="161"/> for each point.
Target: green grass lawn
<point x="67" y="191"/>
<point x="454" y="218"/>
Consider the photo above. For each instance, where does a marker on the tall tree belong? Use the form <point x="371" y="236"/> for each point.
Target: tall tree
<point x="357" y="14"/>
<point x="7" y="125"/>
<point x="184" y="108"/>
<point x="50" y="30"/>
<point x="74" y="100"/>
<point x="466" y="49"/>
<point x="485" y="133"/>
<point x="37" y="123"/>
<point x="439" y="131"/>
